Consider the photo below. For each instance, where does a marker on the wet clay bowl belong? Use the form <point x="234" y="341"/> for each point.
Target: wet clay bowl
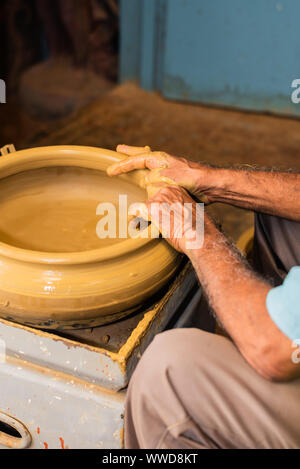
<point x="55" y="272"/>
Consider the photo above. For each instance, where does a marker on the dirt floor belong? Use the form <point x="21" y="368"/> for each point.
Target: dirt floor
<point x="133" y="116"/>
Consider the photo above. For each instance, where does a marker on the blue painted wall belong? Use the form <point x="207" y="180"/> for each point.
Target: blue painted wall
<point x="243" y="53"/>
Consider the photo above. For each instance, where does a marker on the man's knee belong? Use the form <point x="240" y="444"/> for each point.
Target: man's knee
<point x="175" y="374"/>
<point x="177" y="352"/>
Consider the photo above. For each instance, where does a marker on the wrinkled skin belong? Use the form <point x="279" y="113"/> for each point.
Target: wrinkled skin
<point x="164" y="169"/>
<point x="166" y="184"/>
<point x="181" y="231"/>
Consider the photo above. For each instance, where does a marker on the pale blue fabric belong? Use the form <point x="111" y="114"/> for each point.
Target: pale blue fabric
<point x="283" y="304"/>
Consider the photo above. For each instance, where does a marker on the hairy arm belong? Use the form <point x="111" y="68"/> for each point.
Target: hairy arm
<point x="238" y="297"/>
<point x="273" y="193"/>
<point x="236" y="294"/>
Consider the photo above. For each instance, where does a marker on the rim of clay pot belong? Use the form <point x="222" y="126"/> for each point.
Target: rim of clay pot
<point x="70" y="155"/>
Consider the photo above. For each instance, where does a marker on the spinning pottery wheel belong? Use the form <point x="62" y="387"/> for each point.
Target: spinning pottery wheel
<point x="55" y="272"/>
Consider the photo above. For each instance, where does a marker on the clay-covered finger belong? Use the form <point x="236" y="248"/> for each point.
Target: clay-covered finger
<point x="132" y="151"/>
<point x="153" y="189"/>
<point x="151" y="160"/>
<point x="129" y="164"/>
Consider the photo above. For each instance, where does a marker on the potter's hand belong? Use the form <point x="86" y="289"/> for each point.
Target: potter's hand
<point x="176" y="215"/>
<point x="164" y="169"/>
<point x="271" y="192"/>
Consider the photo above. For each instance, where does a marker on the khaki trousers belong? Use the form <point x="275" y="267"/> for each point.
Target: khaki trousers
<point x="193" y="389"/>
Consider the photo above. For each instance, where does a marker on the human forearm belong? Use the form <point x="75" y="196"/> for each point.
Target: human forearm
<point x="238" y="298"/>
<point x="274" y="193"/>
<point x="237" y="295"/>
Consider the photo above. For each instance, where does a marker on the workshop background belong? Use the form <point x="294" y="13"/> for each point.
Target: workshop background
<point x="205" y="79"/>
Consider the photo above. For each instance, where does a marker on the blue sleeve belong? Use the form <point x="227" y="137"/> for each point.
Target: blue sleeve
<point x="283" y="304"/>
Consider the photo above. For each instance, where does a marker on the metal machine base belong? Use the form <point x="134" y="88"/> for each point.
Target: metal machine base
<point x="67" y="390"/>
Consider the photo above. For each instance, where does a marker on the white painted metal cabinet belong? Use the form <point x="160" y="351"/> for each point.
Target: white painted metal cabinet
<point x="59" y="411"/>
